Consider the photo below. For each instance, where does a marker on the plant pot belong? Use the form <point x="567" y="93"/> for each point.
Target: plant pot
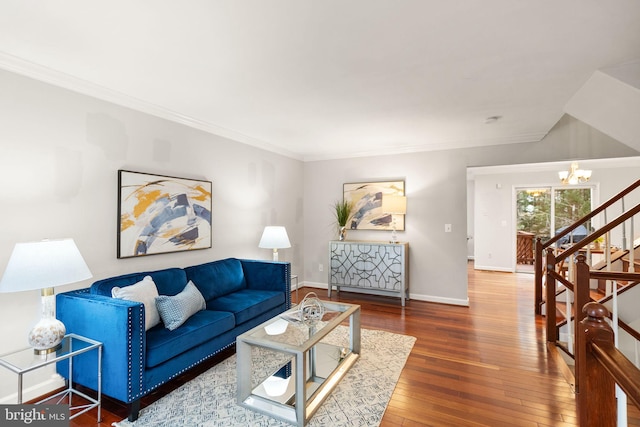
<point x="342" y="234"/>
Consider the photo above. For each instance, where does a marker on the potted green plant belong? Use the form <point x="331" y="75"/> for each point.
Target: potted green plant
<point x="343" y="210"/>
<point x="598" y="243"/>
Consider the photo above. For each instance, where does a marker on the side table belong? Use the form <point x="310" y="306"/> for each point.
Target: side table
<point x="378" y="268"/>
<point x="24" y="360"/>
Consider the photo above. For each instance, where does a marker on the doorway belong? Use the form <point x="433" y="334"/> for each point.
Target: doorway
<point x="543" y="211"/>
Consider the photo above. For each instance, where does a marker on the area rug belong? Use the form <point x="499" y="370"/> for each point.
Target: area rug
<point x="360" y="399"/>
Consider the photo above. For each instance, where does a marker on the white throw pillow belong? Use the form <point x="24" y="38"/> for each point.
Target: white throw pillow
<point x="175" y="310"/>
<point x="144" y="291"/>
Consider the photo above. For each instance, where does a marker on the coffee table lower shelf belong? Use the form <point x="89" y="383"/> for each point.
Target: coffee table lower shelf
<point x="287" y="410"/>
<point x="310" y="370"/>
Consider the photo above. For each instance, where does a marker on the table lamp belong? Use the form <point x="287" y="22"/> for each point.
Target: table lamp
<point x="394" y="205"/>
<point x="43" y="265"/>
<point x="274" y="237"/>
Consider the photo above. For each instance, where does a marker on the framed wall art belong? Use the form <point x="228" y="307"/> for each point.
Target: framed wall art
<point x="366" y="198"/>
<point x="160" y="214"/>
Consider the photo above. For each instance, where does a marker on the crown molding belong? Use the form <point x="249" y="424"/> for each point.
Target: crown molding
<point x="441" y="146"/>
<point x="54" y="77"/>
<point x="60" y="79"/>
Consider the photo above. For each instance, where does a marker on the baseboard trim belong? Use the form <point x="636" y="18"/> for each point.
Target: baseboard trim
<point x="314" y="285"/>
<point x="35" y="391"/>
<point x="417" y="297"/>
<point x="440" y="300"/>
<point x="491" y="268"/>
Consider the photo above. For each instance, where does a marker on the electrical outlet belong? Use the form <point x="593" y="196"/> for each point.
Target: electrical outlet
<point x="320" y="267"/>
<point x="447" y="228"/>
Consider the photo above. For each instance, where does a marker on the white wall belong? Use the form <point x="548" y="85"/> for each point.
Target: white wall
<point x="494" y="220"/>
<point x="60" y="152"/>
<point x="436" y="188"/>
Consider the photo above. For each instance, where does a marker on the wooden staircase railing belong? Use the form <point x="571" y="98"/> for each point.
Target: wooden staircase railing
<point x="616" y="276"/>
<point x="552" y="275"/>
<point x="540" y="247"/>
<point x="599" y="364"/>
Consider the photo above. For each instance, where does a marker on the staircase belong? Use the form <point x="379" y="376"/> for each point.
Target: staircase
<point x="569" y="277"/>
<point x="620" y="260"/>
<point x="601" y="291"/>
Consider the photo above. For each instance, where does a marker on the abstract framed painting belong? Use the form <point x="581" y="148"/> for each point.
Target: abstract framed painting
<point x="366" y="198"/>
<point x="161" y="214"/>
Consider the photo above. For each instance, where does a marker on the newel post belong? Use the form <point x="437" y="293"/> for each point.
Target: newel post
<point x="538" y="276"/>
<point x="552" y="330"/>
<point x="581" y="292"/>
<point x="596" y="394"/>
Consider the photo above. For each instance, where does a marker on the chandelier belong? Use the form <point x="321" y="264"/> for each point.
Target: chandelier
<point x="575" y="175"/>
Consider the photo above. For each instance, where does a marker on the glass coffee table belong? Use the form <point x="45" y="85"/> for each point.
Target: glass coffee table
<point x="288" y="365"/>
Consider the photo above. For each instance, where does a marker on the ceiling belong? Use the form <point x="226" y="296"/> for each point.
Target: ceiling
<point x="320" y="79"/>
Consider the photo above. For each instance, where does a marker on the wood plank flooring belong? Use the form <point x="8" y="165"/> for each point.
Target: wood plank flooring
<point x="485" y="365"/>
<point x="482" y="365"/>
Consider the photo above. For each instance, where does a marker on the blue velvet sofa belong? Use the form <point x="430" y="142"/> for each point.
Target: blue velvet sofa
<point x="239" y="295"/>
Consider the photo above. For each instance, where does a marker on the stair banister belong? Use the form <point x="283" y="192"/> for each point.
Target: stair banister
<point x="601" y="366"/>
<point x="537" y="278"/>
<point x="582" y="297"/>
<point x="592" y="214"/>
<point x="632" y="252"/>
<point x="552" y="331"/>
<point x="540" y="246"/>
<point x="600" y="232"/>
<point x="573" y="249"/>
<point x="624" y="229"/>
<point x="596" y="395"/>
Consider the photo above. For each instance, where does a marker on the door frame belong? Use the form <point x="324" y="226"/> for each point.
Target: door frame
<point x="595" y="201"/>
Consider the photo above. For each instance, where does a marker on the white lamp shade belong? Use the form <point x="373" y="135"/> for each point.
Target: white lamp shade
<point x="274" y="237"/>
<point x="392" y="204"/>
<point x="45" y="264"/>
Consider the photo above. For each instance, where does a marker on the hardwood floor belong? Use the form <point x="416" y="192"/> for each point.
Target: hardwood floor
<point x="482" y="365"/>
<point x="485" y="365"/>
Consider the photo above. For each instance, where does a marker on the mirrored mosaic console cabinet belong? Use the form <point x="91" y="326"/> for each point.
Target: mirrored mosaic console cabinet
<point x="378" y="268"/>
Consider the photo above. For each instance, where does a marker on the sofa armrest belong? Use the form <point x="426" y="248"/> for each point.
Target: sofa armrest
<point x="268" y="276"/>
<point x="119" y="325"/>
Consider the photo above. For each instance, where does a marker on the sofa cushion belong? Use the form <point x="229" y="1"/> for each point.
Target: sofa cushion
<point x="176" y="309"/>
<point x="144" y="291"/>
<point x="218" y="278"/>
<point x="169" y="281"/>
<point x="247" y="303"/>
<point x="163" y="344"/>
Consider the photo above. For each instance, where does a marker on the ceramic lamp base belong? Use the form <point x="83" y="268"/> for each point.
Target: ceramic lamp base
<point x="46" y="335"/>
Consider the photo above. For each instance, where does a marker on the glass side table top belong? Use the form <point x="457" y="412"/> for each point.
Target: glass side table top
<point x="25" y="360"/>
